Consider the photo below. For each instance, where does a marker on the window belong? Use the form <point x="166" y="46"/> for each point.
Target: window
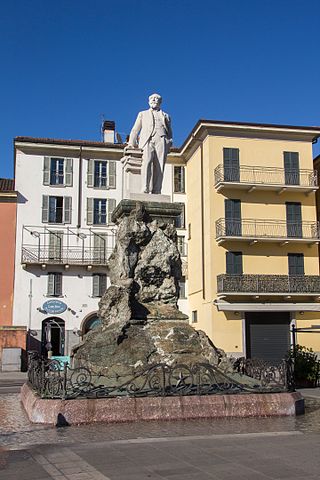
<point x="54" y="284"/>
<point x="99" y="210"/>
<point x="296" y="263"/>
<point x="194" y="316"/>
<point x="57" y="171"/>
<point x="291" y="168"/>
<point x="294" y="219"/>
<point x="234" y="263"/>
<point x="231" y="167"/>
<point x="101" y="174"/>
<point x="56" y="209"/>
<point x="99" y="284"/>
<point x="180" y="221"/>
<point x="233" y="217"/>
<point x="182" y="288"/>
<point x="178" y="179"/>
<point x="181" y="245"/>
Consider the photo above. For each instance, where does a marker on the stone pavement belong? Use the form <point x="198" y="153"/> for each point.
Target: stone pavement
<point x="221" y="449"/>
<point x="257" y="456"/>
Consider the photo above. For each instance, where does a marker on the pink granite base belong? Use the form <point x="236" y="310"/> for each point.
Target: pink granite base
<point x="128" y="409"/>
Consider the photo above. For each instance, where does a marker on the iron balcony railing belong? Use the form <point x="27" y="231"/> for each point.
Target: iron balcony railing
<point x="65" y="255"/>
<point x="264" y="229"/>
<point x="269" y="284"/>
<point x="265" y="176"/>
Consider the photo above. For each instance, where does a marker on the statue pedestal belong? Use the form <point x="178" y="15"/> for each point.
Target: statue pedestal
<point x="131" y="171"/>
<point x="163" y="212"/>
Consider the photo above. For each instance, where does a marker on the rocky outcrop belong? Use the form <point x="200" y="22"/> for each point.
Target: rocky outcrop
<point x="141" y="322"/>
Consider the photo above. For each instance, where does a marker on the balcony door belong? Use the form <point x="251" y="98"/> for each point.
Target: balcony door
<point x="55" y="245"/>
<point x="233" y="217"/>
<point x="294" y="220"/>
<point x="231" y="166"/>
<point x="291" y="168"/>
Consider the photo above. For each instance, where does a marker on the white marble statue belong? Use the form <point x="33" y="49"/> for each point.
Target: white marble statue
<point x="155" y="140"/>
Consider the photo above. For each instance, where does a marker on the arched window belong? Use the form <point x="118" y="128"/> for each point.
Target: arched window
<point x="90" y="323"/>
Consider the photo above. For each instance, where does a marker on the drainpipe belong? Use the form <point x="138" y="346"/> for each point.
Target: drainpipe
<point x="80" y="188"/>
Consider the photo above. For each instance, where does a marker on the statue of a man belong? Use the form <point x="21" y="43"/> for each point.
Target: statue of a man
<point x="155" y="140"/>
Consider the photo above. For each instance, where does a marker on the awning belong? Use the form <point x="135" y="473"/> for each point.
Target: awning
<point x="266" y="307"/>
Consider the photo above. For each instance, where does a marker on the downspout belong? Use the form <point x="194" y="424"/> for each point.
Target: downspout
<point x="80" y="188"/>
<point x="202" y="225"/>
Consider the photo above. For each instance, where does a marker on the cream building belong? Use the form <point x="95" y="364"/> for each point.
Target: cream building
<point x="253" y="236"/>
<point x="67" y="190"/>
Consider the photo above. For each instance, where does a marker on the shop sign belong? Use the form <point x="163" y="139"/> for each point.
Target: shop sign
<point x="54" y="306"/>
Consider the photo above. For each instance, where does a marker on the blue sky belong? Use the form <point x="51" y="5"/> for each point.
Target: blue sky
<point x="66" y="63"/>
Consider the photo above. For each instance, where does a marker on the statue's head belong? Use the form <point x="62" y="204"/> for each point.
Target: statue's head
<point x="155" y="101"/>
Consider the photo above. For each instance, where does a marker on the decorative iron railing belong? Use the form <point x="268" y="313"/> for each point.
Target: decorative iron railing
<point x="65" y="255"/>
<point x="258" y="284"/>
<point x="262" y="229"/>
<point x="50" y="381"/>
<point x="265" y="176"/>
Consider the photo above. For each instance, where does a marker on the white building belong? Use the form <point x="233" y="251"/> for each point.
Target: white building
<point x="67" y="192"/>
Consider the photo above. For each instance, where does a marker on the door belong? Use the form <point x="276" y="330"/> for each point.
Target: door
<point x="55" y="245"/>
<point x="100" y="248"/>
<point x="53" y="336"/>
<point x="233" y="217"/>
<point x="291" y="168"/>
<point x="267" y="335"/>
<point x="294" y="219"/>
<point x="231" y="167"/>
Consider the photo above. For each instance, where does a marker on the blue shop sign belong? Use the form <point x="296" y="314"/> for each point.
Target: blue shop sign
<point x="54" y="306"/>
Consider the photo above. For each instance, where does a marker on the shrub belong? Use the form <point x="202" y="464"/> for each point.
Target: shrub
<point x="306" y="366"/>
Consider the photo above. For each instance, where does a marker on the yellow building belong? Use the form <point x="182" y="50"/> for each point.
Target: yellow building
<point x="253" y="261"/>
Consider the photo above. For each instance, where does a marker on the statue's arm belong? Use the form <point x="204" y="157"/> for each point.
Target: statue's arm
<point x="135" y="130"/>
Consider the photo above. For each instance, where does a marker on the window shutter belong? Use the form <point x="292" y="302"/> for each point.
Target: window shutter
<point x="112" y="174"/>
<point x="68" y="165"/>
<point x="89" y="211"/>
<point x="45" y="208"/>
<point x="103" y="284"/>
<point x="95" y="285"/>
<point x="50" y="290"/>
<point x="67" y="209"/>
<point x="58" y="284"/>
<point x="111" y="207"/>
<point x="90" y="173"/>
<point x="234" y="263"/>
<point x="46" y="171"/>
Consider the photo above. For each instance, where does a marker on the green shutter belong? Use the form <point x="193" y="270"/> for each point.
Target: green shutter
<point x="103" y="284"/>
<point x="111" y="207"/>
<point x="45" y="208"/>
<point x="90" y="171"/>
<point x="68" y="165"/>
<point x="112" y="174"/>
<point x="89" y="211"/>
<point x="50" y="289"/>
<point x="95" y="285"/>
<point x="58" y="284"/>
<point x="67" y="202"/>
<point x="46" y="171"/>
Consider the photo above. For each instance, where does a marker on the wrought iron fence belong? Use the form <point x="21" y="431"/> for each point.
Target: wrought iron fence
<point x="291" y="284"/>
<point x="50" y="381"/>
<point x="66" y="255"/>
<point x="252" y="228"/>
<point x="265" y="176"/>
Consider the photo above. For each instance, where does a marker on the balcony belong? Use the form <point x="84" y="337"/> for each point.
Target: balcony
<point x="268" y="285"/>
<point x="66" y="246"/>
<point x="265" y="178"/>
<point x="254" y="231"/>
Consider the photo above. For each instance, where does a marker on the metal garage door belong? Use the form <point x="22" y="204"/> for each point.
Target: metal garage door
<point x="267" y="335"/>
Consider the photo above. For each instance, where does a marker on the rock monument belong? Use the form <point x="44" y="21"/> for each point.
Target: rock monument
<point x="141" y="322"/>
